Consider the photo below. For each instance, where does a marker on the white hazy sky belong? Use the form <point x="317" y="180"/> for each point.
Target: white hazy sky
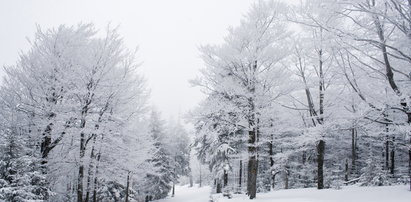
<point x="167" y="32"/>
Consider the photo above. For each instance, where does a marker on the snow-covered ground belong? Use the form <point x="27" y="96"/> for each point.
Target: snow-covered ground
<point x="190" y="194"/>
<point x="346" y="194"/>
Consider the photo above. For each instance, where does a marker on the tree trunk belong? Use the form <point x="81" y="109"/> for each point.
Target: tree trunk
<point x="387" y="156"/>
<point x="408" y="111"/>
<point x="271" y="153"/>
<point x="240" y="174"/>
<point x="81" y="169"/>
<point x="84" y="111"/>
<point x="191" y="180"/>
<point x="200" y="176"/>
<point x="252" y="139"/>
<point x="174" y="190"/>
<point x="383" y="47"/>
<point x="353" y="150"/>
<point x="320" y="164"/>
<point x="392" y="156"/>
<point x="321" y="86"/>
<point x="225" y="178"/>
<point x="304" y="157"/>
<point x="90" y="170"/>
<point x="218" y="186"/>
<point x="96" y="177"/>
<point x="346" y="170"/>
<point x="387" y="143"/>
<point x="93" y="155"/>
<point x="286" y="178"/>
<point x="409" y="163"/>
<point x="252" y="166"/>
<point x="127" y="186"/>
<point x="44" y="149"/>
<point x="321" y="143"/>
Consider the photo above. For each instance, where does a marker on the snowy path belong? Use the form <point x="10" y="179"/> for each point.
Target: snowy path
<point x="190" y="194"/>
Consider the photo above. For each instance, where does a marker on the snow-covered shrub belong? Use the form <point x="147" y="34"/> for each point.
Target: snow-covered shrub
<point x="373" y="174"/>
<point x="113" y="191"/>
<point x="337" y="184"/>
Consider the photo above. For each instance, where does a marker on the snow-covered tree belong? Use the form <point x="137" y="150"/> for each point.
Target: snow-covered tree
<point x="79" y="96"/>
<point x="244" y="74"/>
<point x="158" y="181"/>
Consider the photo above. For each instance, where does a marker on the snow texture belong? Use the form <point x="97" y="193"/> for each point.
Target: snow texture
<point x="190" y="194"/>
<point x="399" y="193"/>
<point x="351" y="194"/>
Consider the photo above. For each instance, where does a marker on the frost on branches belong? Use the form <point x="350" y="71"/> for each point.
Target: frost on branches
<point x="312" y="94"/>
<point x="73" y="120"/>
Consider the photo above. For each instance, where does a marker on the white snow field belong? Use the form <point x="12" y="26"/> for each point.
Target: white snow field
<point x="190" y="194"/>
<point x="398" y="193"/>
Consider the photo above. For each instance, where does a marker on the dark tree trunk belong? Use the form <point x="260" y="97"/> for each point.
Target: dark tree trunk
<point x="174" y="190"/>
<point x="240" y="174"/>
<point x="388" y="68"/>
<point x="45" y="148"/>
<point x="200" y="176"/>
<point x="92" y="154"/>
<point x="408" y="111"/>
<point x="225" y="178"/>
<point x="252" y="139"/>
<point x="346" y="170"/>
<point x="392" y="156"/>
<point x="387" y="143"/>
<point x="81" y="169"/>
<point x="90" y="170"/>
<point x="286" y="178"/>
<point x="271" y="153"/>
<point x="128" y="186"/>
<point x="387" y="156"/>
<point x="353" y="150"/>
<point x="218" y="190"/>
<point x="321" y="143"/>
<point x="252" y="166"/>
<point x="320" y="164"/>
<point x="409" y="164"/>
<point x="46" y="144"/>
<point x="84" y="112"/>
<point x="304" y="157"/>
<point x="321" y="86"/>
<point x="96" y="178"/>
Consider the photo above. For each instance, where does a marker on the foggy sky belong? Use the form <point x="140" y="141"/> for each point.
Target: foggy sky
<point x="167" y="32"/>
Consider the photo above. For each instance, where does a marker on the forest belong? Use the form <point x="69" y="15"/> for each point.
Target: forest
<point x="300" y="94"/>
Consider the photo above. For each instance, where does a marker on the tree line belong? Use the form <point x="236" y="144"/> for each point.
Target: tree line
<point x="76" y="124"/>
<point x="308" y="94"/>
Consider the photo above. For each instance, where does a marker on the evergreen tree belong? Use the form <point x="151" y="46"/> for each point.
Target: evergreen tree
<point x="158" y="182"/>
